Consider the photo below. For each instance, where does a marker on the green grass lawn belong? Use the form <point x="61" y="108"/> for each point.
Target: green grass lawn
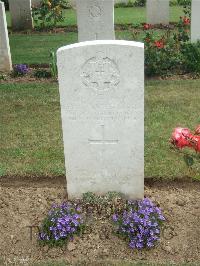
<point x="35" y="48"/>
<point x="31" y="136"/>
<point x="133" y="15"/>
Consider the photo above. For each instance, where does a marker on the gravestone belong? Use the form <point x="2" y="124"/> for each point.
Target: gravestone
<point x="5" y="57"/>
<point x="21" y="15"/>
<point x="95" y="20"/>
<point x="195" y="21"/>
<point x="157" y="11"/>
<point x="102" y="97"/>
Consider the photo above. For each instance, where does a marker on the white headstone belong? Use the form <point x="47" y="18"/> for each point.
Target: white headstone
<point x="73" y="2"/>
<point x="5" y="57"/>
<point x="102" y="97"/>
<point x="195" y="21"/>
<point x="95" y="20"/>
<point x="157" y="11"/>
<point x="21" y="14"/>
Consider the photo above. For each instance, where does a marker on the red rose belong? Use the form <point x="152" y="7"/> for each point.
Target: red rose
<point x="147" y="26"/>
<point x="159" y="44"/>
<point x="179" y="137"/>
<point x="186" y="21"/>
<point x="182" y="137"/>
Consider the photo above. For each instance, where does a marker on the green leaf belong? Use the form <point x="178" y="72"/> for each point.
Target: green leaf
<point x="188" y="160"/>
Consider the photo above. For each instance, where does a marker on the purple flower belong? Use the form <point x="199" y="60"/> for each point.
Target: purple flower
<point x="140" y="223"/>
<point x="115" y="217"/>
<point x="61" y="223"/>
<point x="21" y="69"/>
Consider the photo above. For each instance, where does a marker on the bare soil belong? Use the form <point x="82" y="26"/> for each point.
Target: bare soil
<point x="74" y="28"/>
<point x="25" y="202"/>
<point x="30" y="78"/>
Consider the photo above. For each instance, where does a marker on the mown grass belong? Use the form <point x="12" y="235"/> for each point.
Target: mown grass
<point x="31" y="136"/>
<point x="130" y="15"/>
<point x="35" y="48"/>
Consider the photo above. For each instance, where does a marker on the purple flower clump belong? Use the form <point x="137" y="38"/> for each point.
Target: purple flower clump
<point x="140" y="223"/>
<point x="21" y="69"/>
<point x="61" y="223"/>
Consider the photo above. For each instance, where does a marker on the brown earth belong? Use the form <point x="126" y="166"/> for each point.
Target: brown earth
<point x="30" y="78"/>
<point x="24" y="203"/>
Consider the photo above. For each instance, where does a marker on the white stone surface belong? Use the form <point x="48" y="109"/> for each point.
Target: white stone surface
<point x="157" y="11"/>
<point x="73" y="2"/>
<point x="95" y="20"/>
<point x="101" y="86"/>
<point x="21" y="15"/>
<point x="5" y="57"/>
<point x="195" y="21"/>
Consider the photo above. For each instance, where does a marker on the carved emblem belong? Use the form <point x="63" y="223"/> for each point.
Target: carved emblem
<point x="100" y="73"/>
<point x="95" y="11"/>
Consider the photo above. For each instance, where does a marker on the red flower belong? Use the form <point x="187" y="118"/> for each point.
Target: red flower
<point x="196" y="143"/>
<point x="146" y="26"/>
<point x="159" y="44"/>
<point x="182" y="137"/>
<point x="186" y="21"/>
<point x="179" y="137"/>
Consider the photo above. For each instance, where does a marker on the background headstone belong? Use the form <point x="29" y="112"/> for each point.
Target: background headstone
<point x="95" y="20"/>
<point x="102" y="97"/>
<point x="157" y="11"/>
<point x="21" y="15"/>
<point x="195" y="21"/>
<point x="5" y="57"/>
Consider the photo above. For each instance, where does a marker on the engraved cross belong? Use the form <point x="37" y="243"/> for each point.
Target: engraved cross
<point x="103" y="141"/>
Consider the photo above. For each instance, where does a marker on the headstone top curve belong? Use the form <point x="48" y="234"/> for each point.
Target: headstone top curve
<point x="101" y="42"/>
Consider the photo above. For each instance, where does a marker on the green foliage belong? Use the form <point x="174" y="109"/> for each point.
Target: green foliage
<point x="91" y="198"/>
<point x="172" y="52"/>
<point x="42" y="73"/>
<point x="191" y="57"/>
<point x="160" y="56"/>
<point x="188" y="160"/>
<point x="131" y="3"/>
<point x="140" y="3"/>
<point x="49" y="13"/>
<point x="184" y="2"/>
<point x="180" y="2"/>
<point x="53" y="64"/>
<point x="2" y="77"/>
